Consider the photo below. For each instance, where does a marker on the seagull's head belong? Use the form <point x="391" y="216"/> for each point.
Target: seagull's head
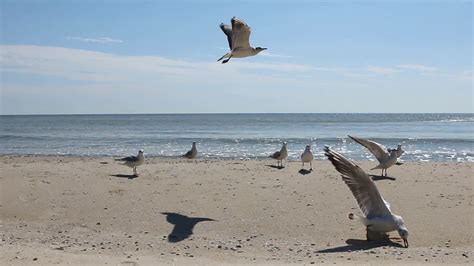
<point x="403" y="232"/>
<point x="259" y="49"/>
<point x="399" y="147"/>
<point x="140" y="151"/>
<point x="194" y="143"/>
<point x="308" y="147"/>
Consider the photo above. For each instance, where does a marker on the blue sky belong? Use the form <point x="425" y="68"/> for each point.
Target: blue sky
<point x="160" y="57"/>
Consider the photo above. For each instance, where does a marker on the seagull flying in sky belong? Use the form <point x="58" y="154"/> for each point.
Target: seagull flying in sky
<point x="238" y="37"/>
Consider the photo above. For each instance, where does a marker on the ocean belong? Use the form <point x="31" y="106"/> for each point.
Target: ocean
<point x="425" y="137"/>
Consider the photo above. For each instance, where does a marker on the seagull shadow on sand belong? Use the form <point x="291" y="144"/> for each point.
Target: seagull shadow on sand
<point x="358" y="245"/>
<point x="304" y="171"/>
<point x="275" y="166"/>
<point x="183" y="225"/>
<point x="381" y="177"/>
<point x="125" y="176"/>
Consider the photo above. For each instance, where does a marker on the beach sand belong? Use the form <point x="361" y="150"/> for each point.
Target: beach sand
<point x="67" y="210"/>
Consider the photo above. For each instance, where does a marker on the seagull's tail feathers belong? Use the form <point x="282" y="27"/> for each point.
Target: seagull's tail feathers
<point x="358" y="217"/>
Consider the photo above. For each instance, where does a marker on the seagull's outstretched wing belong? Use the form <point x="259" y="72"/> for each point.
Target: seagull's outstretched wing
<point x="361" y="185"/>
<point x="240" y="33"/>
<point x="378" y="150"/>
<point x="227" y="29"/>
<point x="128" y="159"/>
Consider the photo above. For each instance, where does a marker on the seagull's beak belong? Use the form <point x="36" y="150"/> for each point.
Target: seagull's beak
<point x="405" y="242"/>
<point x="264" y="48"/>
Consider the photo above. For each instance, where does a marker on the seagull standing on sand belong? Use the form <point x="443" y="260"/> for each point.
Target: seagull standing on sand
<point x="386" y="157"/>
<point x="280" y="155"/>
<point x="378" y="219"/>
<point x="191" y="154"/>
<point x="133" y="161"/>
<point x="307" y="157"/>
<point x="238" y="37"/>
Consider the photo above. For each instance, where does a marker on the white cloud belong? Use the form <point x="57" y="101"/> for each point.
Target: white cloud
<point x="417" y="67"/>
<point x="467" y="75"/>
<point x="84" y="65"/>
<point x="96" y="40"/>
<point x="382" y="70"/>
<point x="270" y="54"/>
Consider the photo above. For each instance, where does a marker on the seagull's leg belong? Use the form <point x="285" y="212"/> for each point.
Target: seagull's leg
<point x="372" y="235"/>
<point x="227" y="60"/>
<point x="382" y="173"/>
<point x="224" y="56"/>
<point x="311" y="166"/>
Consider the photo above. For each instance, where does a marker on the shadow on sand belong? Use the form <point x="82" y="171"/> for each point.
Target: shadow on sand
<point x="357" y="245"/>
<point x="381" y="177"/>
<point x="125" y="176"/>
<point x="183" y="225"/>
<point x="275" y="166"/>
<point x="304" y="171"/>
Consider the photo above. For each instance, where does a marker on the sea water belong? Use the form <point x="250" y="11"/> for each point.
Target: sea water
<point x="425" y="137"/>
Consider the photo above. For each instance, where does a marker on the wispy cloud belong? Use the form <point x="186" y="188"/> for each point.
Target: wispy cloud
<point x="382" y="70"/>
<point x="467" y="75"/>
<point x="87" y="65"/>
<point x="96" y="40"/>
<point x="417" y="67"/>
<point x="270" y="54"/>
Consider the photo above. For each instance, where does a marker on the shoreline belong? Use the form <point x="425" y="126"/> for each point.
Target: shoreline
<point x="80" y="210"/>
<point x="209" y="159"/>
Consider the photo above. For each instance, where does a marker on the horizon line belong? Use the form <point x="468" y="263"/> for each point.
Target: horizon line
<point x="231" y="113"/>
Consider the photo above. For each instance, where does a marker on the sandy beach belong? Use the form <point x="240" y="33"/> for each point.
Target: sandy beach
<point x="72" y="210"/>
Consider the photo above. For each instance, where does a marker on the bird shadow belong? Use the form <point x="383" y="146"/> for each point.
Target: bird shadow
<point x="381" y="177"/>
<point x="304" y="171"/>
<point x="358" y="245"/>
<point x="275" y="166"/>
<point x="183" y="225"/>
<point x="125" y="176"/>
<point x="398" y="163"/>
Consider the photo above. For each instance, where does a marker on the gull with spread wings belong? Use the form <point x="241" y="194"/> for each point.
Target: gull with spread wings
<point x="238" y="37"/>
<point x="378" y="219"/>
<point x="386" y="157"/>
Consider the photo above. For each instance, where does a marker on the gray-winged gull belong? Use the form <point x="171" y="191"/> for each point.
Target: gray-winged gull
<point x="386" y="157"/>
<point x="191" y="154"/>
<point x="238" y="37"/>
<point x="378" y="218"/>
<point x="307" y="157"/>
<point x="280" y="155"/>
<point x="133" y="161"/>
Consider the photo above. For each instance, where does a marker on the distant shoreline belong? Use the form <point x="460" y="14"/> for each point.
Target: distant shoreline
<point x="250" y="113"/>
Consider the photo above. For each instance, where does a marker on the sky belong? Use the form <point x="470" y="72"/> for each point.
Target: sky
<point x="124" y="56"/>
